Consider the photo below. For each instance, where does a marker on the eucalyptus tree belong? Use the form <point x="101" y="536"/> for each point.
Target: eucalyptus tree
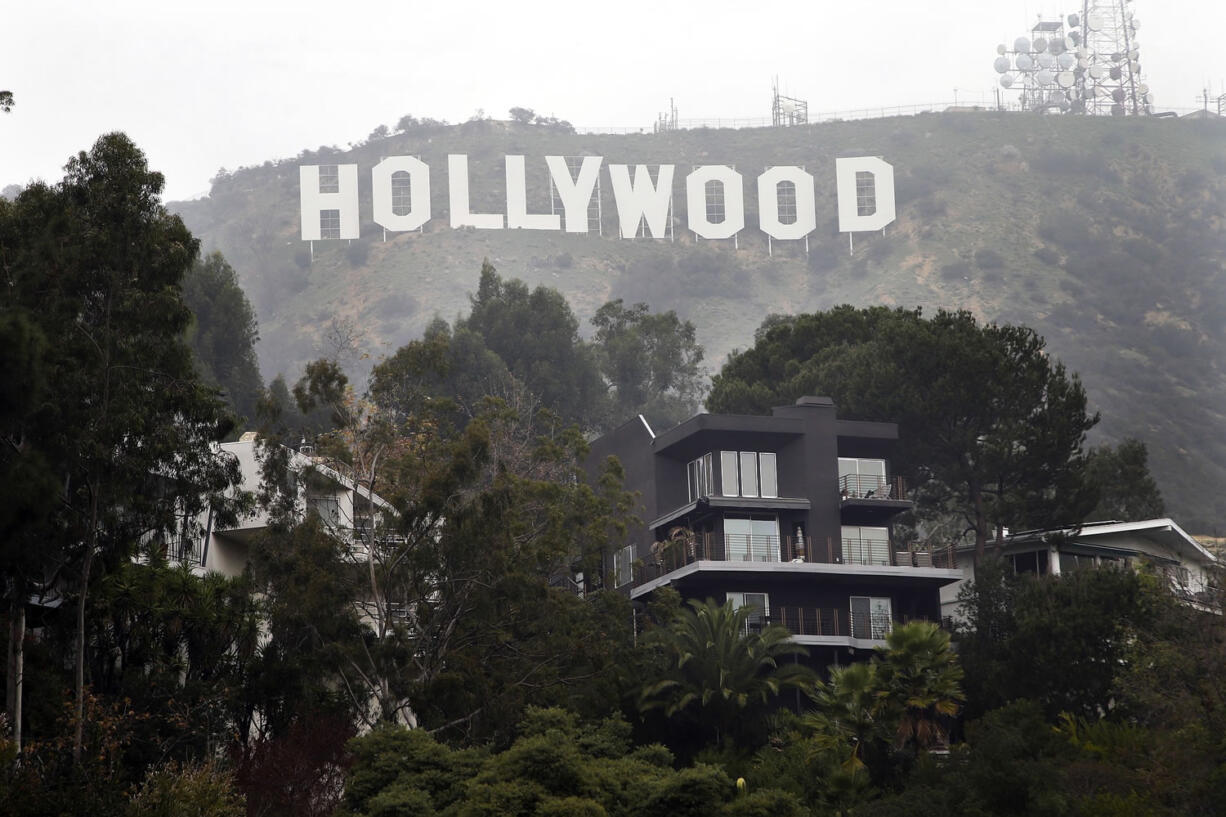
<point x="124" y="425"/>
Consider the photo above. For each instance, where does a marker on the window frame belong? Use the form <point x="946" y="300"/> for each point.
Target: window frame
<point x="737" y="598"/>
<point x="873" y="628"/>
<point x="733" y="479"/>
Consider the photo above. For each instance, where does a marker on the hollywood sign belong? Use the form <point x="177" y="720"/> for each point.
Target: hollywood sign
<point x="400" y="188"/>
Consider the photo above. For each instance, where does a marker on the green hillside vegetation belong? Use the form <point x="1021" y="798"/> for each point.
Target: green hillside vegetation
<point x="1105" y="236"/>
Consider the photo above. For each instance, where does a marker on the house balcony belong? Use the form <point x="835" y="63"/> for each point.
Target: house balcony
<point x="729" y="553"/>
<point x="831" y="625"/>
<point x="870" y="497"/>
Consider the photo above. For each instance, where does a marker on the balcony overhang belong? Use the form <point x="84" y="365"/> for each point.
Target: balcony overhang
<point x="698" y="434"/>
<point x="902" y="576"/>
<point x="874" y="509"/>
<point x="838" y="641"/>
<point x="733" y="503"/>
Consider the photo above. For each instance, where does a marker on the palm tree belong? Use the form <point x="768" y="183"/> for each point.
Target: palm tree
<point x="847" y="712"/>
<point x="716" y="670"/>
<point x="920" y="682"/>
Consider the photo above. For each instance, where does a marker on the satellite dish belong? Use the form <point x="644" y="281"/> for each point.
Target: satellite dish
<point x="1039" y="44"/>
<point x="1083" y="62"/>
<point x="1000" y="49"/>
<point x="1143" y="88"/>
<point x="1056" y="46"/>
<point x="1094" y="21"/>
<point x="1006" y="81"/>
<point x="1097" y="71"/>
<point x="1117" y="94"/>
<point x="1001" y="65"/>
<point x="1024" y="62"/>
<point x="1066" y="61"/>
<point x="1116" y="73"/>
<point x="1134" y="53"/>
<point x="1046" y="61"/>
<point x="1021" y="44"/>
<point x="1074" y="20"/>
<point x="1073" y="40"/>
<point x="1045" y="77"/>
<point x="1065" y="79"/>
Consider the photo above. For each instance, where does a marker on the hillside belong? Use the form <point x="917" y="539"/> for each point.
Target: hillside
<point x="1107" y="236"/>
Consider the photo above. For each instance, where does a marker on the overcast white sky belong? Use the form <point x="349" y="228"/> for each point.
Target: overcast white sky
<point x="201" y="86"/>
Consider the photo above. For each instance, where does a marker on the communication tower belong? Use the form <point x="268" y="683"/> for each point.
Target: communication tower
<point x="1088" y="62"/>
<point x="667" y="121"/>
<point x="786" y="110"/>
<point x="1111" y="82"/>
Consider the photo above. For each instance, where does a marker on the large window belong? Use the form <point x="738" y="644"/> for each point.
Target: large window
<point x="748" y="473"/>
<point x="328" y="508"/>
<point x="871" y="617"/>
<point x="866" y="546"/>
<point x="859" y="478"/>
<point x="623" y="566"/>
<point x="751" y="538"/>
<point x="700" y="477"/>
<point x="758" y="603"/>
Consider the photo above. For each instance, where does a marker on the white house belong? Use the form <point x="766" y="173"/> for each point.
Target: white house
<point x="343" y="505"/>
<point x="1160" y="543"/>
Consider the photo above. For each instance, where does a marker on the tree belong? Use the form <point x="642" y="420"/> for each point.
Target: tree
<point x="1126" y="490"/>
<point x="449" y="373"/>
<point x="536" y="335"/>
<point x="126" y="426"/>
<point x="981" y="410"/>
<point x="1057" y="640"/>
<point x="6" y="101"/>
<point x="651" y="363"/>
<point x="847" y="714"/>
<point x="522" y="116"/>
<point x="450" y="635"/>
<point x="223" y="333"/>
<point x="718" y="677"/>
<point x="921" y="683"/>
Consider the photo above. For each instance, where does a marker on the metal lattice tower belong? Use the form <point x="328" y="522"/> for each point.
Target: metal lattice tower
<point x="1111" y="83"/>
<point x="1087" y="63"/>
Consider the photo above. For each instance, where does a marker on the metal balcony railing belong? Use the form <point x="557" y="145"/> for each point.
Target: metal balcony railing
<point x="833" y="621"/>
<point x="866" y="551"/>
<point x="871" y="486"/>
<point x="676" y="553"/>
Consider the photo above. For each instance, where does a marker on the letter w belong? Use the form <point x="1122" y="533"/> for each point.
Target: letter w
<point x="639" y="199"/>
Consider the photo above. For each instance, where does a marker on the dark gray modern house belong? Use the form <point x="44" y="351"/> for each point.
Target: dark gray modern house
<point x="789" y="513"/>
